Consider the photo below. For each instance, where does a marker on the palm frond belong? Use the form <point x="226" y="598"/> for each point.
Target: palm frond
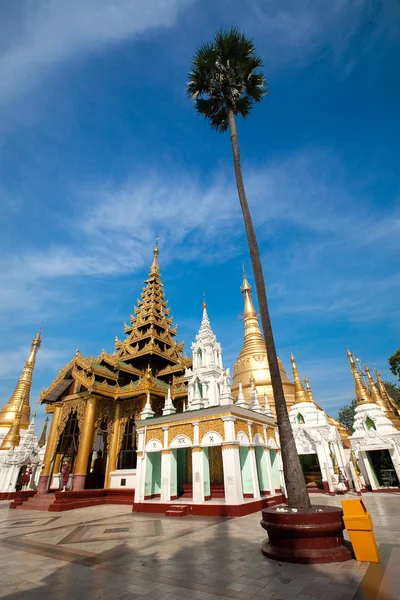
<point x="224" y="75"/>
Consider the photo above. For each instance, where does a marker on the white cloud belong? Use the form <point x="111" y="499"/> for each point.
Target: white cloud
<point x="37" y="36"/>
<point x="325" y="267"/>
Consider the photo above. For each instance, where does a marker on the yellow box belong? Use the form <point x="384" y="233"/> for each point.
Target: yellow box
<point x="358" y="523"/>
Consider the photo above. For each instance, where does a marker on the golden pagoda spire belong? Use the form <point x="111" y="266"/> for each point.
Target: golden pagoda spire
<point x="22" y="390"/>
<point x="154" y="269"/>
<point x="385" y="394"/>
<point x="300" y="394"/>
<point x="362" y="394"/>
<point x="42" y="440"/>
<point x="309" y="390"/>
<point x="252" y="334"/>
<point x="13" y="437"/>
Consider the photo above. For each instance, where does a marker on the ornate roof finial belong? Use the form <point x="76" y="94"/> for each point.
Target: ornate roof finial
<point x="381" y="399"/>
<point x="267" y="408"/>
<point x="154" y="269"/>
<point x="385" y="394"/>
<point x="169" y="408"/>
<point x="362" y="394"/>
<point x="300" y="394"/>
<point x="204" y="305"/>
<point x="241" y="401"/>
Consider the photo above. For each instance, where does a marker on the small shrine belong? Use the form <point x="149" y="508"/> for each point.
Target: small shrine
<point x="216" y="458"/>
<point x="318" y="443"/>
<point x="376" y="439"/>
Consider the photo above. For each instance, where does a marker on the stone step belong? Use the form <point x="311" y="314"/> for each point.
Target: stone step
<point x="176" y="511"/>
<point x="41" y="502"/>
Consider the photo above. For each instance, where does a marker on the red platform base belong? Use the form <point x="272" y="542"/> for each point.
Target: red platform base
<point x="61" y="501"/>
<point x="208" y="509"/>
<point x="305" y="537"/>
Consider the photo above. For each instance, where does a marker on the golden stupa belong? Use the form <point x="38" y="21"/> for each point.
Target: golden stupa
<point x="18" y="404"/>
<point x="253" y="360"/>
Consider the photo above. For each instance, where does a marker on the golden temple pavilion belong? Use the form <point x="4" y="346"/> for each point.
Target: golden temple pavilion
<point x="96" y="402"/>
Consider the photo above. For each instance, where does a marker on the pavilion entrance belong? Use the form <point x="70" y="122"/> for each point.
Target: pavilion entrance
<point x="184" y="482"/>
<point x="96" y="469"/>
<point x="383" y="469"/>
<point x="215" y="465"/>
<point x="311" y="469"/>
<point x="66" y="453"/>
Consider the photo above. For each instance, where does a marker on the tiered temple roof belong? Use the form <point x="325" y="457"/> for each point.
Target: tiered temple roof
<point x="147" y="360"/>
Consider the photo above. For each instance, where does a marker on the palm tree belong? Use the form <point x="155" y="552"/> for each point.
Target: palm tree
<point x="223" y="83"/>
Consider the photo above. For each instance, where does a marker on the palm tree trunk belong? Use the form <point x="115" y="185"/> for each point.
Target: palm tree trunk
<point x="294" y="478"/>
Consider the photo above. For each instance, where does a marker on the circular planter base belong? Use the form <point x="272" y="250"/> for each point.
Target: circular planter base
<point x="305" y="537"/>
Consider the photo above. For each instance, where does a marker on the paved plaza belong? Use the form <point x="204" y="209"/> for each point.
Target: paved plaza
<point x="110" y="552"/>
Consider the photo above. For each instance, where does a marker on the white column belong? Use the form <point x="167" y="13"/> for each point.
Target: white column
<point x="269" y="471"/>
<point x="165" y="475"/>
<point x="368" y="470"/>
<point x="281" y="473"/>
<point x="196" y="440"/>
<point x="165" y="430"/>
<point x="254" y="474"/>
<point x="229" y="428"/>
<point x="3" y="471"/>
<point x="198" y="474"/>
<point x="395" y="456"/>
<point x="140" y="467"/>
<point x="232" y="474"/>
<point x="10" y="480"/>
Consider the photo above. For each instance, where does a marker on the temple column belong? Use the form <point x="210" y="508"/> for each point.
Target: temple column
<point x="114" y="449"/>
<point x="198" y="474"/>
<point x="50" y="449"/>
<point x="165" y="475"/>
<point x="55" y="480"/>
<point x="85" y="444"/>
<point x="267" y="458"/>
<point x="254" y="474"/>
<point x="232" y="474"/>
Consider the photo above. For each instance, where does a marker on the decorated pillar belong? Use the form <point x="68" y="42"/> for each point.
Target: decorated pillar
<point x="267" y="458"/>
<point x="254" y="474"/>
<point x="140" y="465"/>
<point x="50" y="449"/>
<point x="165" y="475"/>
<point x="114" y="449"/>
<point x="85" y="443"/>
<point x="198" y="474"/>
<point x="232" y="474"/>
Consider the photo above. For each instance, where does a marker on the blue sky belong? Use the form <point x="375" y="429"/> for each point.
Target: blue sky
<point x="100" y="152"/>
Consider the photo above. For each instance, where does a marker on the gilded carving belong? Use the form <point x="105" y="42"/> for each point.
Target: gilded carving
<point x="216" y="425"/>
<point x="240" y="425"/>
<point x="77" y="405"/>
<point x="181" y="429"/>
<point x="155" y="434"/>
<point x="165" y="451"/>
<point x="105" y="413"/>
<point x="129" y="410"/>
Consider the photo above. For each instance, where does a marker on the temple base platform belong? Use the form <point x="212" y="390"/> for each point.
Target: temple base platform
<point x="60" y="501"/>
<point x="211" y="508"/>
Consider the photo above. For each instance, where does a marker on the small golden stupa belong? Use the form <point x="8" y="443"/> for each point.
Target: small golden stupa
<point x="18" y="404"/>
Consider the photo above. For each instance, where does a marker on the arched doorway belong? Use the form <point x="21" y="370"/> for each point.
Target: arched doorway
<point x="96" y="469"/>
<point x="67" y="449"/>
